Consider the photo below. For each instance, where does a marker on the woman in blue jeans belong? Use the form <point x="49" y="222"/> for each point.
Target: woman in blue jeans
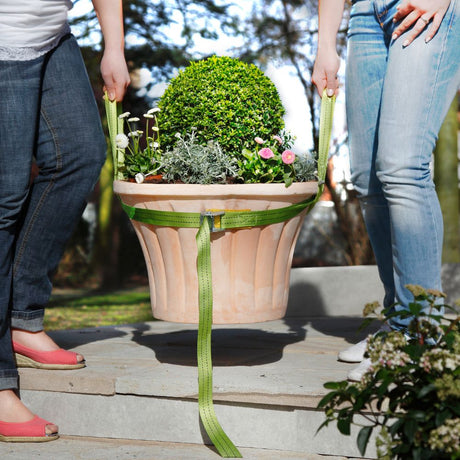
<point x="402" y="73"/>
<point x="47" y="113"/>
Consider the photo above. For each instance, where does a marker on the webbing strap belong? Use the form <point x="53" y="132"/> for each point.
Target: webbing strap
<point x="216" y="434"/>
<point x="226" y="221"/>
<point x="220" y="221"/>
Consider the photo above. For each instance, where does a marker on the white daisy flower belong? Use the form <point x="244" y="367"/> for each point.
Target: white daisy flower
<point x="154" y="110"/>
<point x="148" y="115"/>
<point x="177" y="135"/>
<point x="155" y="128"/>
<point x="133" y="119"/>
<point x="122" y="141"/>
<point x="124" y="115"/>
<point x="139" y="177"/>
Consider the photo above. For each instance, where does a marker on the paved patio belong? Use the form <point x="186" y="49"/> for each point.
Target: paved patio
<point x="137" y="397"/>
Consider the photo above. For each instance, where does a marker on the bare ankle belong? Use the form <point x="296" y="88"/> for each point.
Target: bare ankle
<point x="12" y="408"/>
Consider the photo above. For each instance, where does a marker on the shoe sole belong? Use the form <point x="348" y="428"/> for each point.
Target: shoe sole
<point x="50" y="437"/>
<point x="352" y="361"/>
<point x="24" y="361"/>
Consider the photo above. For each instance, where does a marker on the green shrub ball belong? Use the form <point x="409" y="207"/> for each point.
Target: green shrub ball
<point x="225" y="100"/>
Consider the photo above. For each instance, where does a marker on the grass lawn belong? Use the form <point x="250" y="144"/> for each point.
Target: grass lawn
<point x="76" y="310"/>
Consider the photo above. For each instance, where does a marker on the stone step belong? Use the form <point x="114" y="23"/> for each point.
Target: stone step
<point x="140" y="383"/>
<point x="72" y="448"/>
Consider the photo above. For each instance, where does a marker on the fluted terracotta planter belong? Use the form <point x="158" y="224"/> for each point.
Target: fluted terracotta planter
<point x="250" y="267"/>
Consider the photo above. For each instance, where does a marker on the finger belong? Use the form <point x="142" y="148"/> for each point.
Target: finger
<point x="407" y="22"/>
<point x="332" y="84"/>
<point x="116" y="90"/>
<point x="419" y="26"/>
<point x="319" y="82"/>
<point x="402" y="11"/>
<point x="111" y="93"/>
<point x="434" y="26"/>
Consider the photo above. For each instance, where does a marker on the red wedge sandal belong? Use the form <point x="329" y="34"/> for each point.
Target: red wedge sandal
<point x="56" y="359"/>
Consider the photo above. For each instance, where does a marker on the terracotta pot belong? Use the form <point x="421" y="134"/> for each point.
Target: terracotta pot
<point x="250" y="267"/>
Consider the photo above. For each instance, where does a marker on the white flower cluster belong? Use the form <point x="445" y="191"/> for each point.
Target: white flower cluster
<point x="446" y="438"/>
<point x="438" y="359"/>
<point x="122" y="141"/>
<point x="387" y="352"/>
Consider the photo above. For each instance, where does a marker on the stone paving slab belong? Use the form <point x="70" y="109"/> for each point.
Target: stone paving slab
<point x="79" y="448"/>
<point x="293" y="357"/>
<point x="141" y="383"/>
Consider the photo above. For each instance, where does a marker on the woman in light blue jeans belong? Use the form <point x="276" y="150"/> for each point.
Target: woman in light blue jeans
<point x="402" y="73"/>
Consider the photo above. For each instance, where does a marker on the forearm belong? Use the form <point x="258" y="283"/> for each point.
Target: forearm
<point x="113" y="65"/>
<point x="110" y="16"/>
<point x="329" y="18"/>
<point x="327" y="61"/>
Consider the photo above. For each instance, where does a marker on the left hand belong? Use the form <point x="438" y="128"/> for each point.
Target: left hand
<point x="420" y="14"/>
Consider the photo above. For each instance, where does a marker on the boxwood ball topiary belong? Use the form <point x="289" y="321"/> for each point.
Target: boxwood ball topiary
<point x="225" y="100"/>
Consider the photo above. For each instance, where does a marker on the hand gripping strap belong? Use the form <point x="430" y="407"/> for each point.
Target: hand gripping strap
<point x="206" y="223"/>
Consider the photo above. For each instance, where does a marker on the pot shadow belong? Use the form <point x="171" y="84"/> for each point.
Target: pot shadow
<point x="306" y="304"/>
<point x="231" y="346"/>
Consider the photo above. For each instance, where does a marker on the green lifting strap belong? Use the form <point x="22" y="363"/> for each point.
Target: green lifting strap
<point x="207" y="223"/>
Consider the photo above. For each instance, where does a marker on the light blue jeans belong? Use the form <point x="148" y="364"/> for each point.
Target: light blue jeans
<point x="397" y="99"/>
<point x="48" y="112"/>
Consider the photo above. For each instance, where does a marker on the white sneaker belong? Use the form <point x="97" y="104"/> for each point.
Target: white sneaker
<point x="356" y="374"/>
<point x="355" y="354"/>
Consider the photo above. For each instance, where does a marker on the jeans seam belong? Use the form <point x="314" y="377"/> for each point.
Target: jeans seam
<point x="430" y="105"/>
<point x="21" y="250"/>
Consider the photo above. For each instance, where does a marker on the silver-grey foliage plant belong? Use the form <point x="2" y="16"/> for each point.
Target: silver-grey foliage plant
<point x="192" y="163"/>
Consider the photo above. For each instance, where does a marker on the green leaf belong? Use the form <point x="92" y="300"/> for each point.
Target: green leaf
<point x="418" y="415"/>
<point x="410" y="428"/>
<point x="326" y="399"/>
<point x="363" y="438"/>
<point x="442" y="416"/>
<point x="333" y="385"/>
<point x="396" y="427"/>
<point x="425" y="390"/>
<point x="343" y="425"/>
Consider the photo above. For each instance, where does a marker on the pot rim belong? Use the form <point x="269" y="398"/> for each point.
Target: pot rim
<point x="297" y="188"/>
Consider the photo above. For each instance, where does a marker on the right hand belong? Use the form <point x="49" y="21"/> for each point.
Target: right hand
<point x="325" y="72"/>
<point x="115" y="74"/>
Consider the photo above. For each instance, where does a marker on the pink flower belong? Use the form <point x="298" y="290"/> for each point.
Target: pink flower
<point x="277" y="138"/>
<point x="288" y="157"/>
<point x="259" y="140"/>
<point x="266" y="153"/>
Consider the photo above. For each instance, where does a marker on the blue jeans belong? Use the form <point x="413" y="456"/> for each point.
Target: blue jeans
<point x="397" y="99"/>
<point x="48" y="112"/>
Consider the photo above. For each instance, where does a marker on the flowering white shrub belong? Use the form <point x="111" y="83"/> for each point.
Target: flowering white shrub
<point x="411" y="393"/>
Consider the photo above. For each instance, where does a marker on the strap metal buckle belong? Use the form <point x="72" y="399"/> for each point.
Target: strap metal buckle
<point x="214" y="219"/>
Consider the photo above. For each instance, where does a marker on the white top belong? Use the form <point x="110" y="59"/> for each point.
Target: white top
<point x="30" y="28"/>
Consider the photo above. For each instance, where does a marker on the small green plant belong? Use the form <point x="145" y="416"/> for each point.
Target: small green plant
<point x="138" y="159"/>
<point x="273" y="161"/>
<point x="411" y="392"/>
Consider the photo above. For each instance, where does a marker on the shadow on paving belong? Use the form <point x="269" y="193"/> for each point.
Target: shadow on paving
<point x="237" y="346"/>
